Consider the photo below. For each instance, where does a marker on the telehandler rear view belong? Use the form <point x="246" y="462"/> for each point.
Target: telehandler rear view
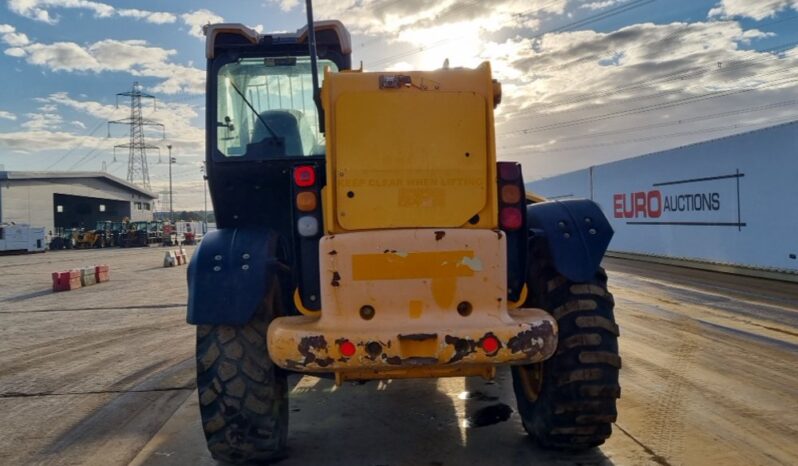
<point x="366" y="231"/>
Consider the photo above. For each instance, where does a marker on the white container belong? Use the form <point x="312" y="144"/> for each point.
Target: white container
<point x="21" y="238"/>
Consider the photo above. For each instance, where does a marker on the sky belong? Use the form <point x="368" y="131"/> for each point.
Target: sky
<point x="584" y="82"/>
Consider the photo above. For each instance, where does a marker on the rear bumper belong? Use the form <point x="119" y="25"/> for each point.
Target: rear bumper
<point x="415" y="281"/>
<point x="305" y="344"/>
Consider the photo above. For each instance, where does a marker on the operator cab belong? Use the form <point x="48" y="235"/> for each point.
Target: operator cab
<point x="265" y="108"/>
<point x="260" y="90"/>
<point x="262" y="123"/>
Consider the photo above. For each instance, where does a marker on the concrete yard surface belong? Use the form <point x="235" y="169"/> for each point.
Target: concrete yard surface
<point x="105" y="376"/>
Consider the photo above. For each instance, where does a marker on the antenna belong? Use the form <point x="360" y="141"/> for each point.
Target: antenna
<point x="314" y="66"/>
<point x="137" y="170"/>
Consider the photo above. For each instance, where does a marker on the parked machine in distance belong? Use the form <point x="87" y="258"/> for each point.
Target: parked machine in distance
<point x="189" y="233"/>
<point x="182" y="232"/>
<point x="366" y="231"/>
<point x="62" y="238"/>
<point x="110" y="232"/>
<point x="169" y="235"/>
<point x="88" y="239"/>
<point x="141" y="234"/>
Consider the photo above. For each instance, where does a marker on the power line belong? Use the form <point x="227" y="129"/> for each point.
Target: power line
<point x="382" y="60"/>
<point x="449" y="10"/>
<point x="655" y="137"/>
<point x="648" y="108"/>
<point x="85" y="157"/>
<point x="681" y="121"/>
<point x="622" y="8"/>
<point x="78" y="146"/>
<point x="677" y="76"/>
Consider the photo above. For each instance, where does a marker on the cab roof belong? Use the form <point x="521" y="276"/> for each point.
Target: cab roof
<point x="213" y="31"/>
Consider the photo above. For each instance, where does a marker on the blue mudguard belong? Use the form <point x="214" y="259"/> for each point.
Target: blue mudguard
<point x="576" y="233"/>
<point x="230" y="274"/>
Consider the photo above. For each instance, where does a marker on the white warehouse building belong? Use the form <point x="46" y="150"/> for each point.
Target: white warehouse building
<point x="729" y="202"/>
<point x="56" y="200"/>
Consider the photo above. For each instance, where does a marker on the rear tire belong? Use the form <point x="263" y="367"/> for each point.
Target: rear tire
<point x="569" y="401"/>
<point x="243" y="396"/>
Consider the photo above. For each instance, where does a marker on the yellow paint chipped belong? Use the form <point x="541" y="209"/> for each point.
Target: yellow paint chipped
<point x="418" y="348"/>
<point x="443" y="291"/>
<point x="416" y="308"/>
<point x="413" y="265"/>
<point x="474" y="264"/>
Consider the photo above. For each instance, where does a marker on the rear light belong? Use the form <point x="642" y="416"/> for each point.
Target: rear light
<point x="509" y="171"/>
<point x="511" y="194"/>
<point x="306" y="201"/>
<point x="490" y="344"/>
<point x="347" y="348"/>
<point x="511" y="218"/>
<point x="304" y="176"/>
<point x="512" y="205"/>
<point x="307" y="226"/>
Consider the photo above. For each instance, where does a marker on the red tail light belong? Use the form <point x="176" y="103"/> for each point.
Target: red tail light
<point x="347" y="348"/>
<point x="510" y="218"/>
<point x="304" y="176"/>
<point x="509" y="171"/>
<point x="490" y="344"/>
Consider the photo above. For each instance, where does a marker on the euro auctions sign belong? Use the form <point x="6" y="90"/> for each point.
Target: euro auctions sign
<point x="705" y="201"/>
<point x="732" y="200"/>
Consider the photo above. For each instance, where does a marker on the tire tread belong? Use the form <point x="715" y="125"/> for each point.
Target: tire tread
<point x="576" y="405"/>
<point x="242" y="394"/>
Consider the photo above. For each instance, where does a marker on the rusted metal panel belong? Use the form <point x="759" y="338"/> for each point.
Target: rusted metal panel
<point x="434" y="297"/>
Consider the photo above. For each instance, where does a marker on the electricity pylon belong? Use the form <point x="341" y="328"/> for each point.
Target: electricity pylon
<point x="137" y="170"/>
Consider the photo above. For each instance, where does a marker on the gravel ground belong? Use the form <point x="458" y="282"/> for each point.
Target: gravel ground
<point x="104" y="375"/>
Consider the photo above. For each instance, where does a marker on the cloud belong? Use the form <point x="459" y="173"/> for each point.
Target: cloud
<point x="195" y="20"/>
<point x="45" y="130"/>
<point x="381" y="17"/>
<point x="178" y="117"/>
<point x="33" y="140"/>
<point x="592" y="97"/>
<point x="154" y="17"/>
<point x="15" y="52"/>
<point x="10" y="36"/>
<point x="598" y="5"/>
<point x="42" y="121"/>
<point x="61" y="56"/>
<point x="286" y="5"/>
<point x="757" y="10"/>
<point x="7" y="115"/>
<point x="39" y="10"/>
<point x="16" y="39"/>
<point x="92" y="108"/>
<point x="136" y="57"/>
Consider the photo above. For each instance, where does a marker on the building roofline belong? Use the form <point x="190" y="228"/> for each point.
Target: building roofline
<point x="43" y="175"/>
<point x="671" y="149"/>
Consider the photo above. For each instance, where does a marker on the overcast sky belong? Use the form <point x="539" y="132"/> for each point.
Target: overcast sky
<point x="585" y="81"/>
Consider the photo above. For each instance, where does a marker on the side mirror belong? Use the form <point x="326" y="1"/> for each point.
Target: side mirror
<point x="228" y="124"/>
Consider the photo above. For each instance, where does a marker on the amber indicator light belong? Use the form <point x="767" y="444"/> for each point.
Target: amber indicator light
<point x="306" y="201"/>
<point x="511" y="194"/>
